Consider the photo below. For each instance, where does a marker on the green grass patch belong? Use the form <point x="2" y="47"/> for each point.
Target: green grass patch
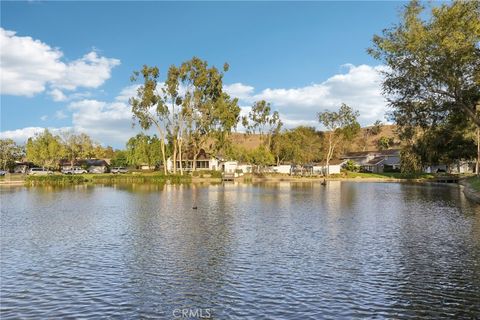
<point x="55" y="180"/>
<point x="474" y="182"/>
<point x="207" y="174"/>
<point x="60" y="180"/>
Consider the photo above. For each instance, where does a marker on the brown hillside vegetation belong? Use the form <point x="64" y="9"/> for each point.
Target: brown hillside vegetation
<point x="387" y="131"/>
<point x="250" y="142"/>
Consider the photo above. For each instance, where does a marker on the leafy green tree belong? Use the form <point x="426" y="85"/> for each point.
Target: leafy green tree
<point x="432" y="67"/>
<point x="143" y="149"/>
<point x="385" y="143"/>
<point x="209" y="113"/>
<point x="432" y="64"/>
<point x="341" y="126"/>
<point x="76" y="146"/>
<point x="350" y="165"/>
<point x="119" y="159"/>
<point x="445" y="144"/>
<point x="261" y="157"/>
<point x="261" y="120"/>
<point x="410" y="161"/>
<point x="238" y="153"/>
<point x="148" y="107"/>
<point x="9" y="153"/>
<point x="299" y="145"/>
<point x="176" y="122"/>
<point x="44" y="149"/>
<point x="103" y="152"/>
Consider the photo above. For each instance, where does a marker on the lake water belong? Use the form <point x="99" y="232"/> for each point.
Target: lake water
<point x="249" y="251"/>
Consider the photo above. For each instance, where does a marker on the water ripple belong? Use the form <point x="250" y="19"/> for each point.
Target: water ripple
<point x="274" y="251"/>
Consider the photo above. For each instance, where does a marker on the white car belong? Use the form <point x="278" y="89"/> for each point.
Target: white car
<point x="119" y="170"/>
<point x="2" y="173"/>
<point x="39" y="172"/>
<point x="74" y="170"/>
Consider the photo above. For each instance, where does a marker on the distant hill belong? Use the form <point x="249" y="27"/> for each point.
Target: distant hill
<point x="387" y="131"/>
<point x="250" y="142"/>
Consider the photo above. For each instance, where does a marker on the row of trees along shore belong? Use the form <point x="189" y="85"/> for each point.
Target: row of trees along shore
<point x="273" y="145"/>
<point x="190" y="111"/>
<point x="431" y="82"/>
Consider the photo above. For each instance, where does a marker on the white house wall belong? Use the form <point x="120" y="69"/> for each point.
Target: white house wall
<point x="285" y="169"/>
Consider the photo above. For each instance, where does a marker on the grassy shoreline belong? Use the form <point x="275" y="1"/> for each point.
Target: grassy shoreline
<point x="202" y="177"/>
<point x="60" y="180"/>
<point x="471" y="188"/>
<point x="346" y="176"/>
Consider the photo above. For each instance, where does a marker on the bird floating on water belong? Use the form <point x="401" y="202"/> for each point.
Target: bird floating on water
<point x="324" y="183"/>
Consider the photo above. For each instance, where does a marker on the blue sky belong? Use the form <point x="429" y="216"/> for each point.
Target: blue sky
<point x="304" y="57"/>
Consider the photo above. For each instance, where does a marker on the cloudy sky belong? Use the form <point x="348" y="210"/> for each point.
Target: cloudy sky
<point x="66" y="66"/>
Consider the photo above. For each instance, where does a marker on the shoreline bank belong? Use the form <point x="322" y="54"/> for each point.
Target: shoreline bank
<point x="469" y="190"/>
<point x="160" y="178"/>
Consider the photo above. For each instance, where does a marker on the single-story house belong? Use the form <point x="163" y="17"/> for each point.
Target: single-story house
<point x="244" y="168"/>
<point x="375" y="165"/>
<point x="282" y="168"/>
<point x="22" y="166"/>
<point x="334" y="167"/>
<point x="462" y="166"/>
<point x="375" y="161"/>
<point x="92" y="165"/>
<point x="204" y="161"/>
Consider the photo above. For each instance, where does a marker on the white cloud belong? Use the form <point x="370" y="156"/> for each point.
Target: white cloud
<point x="60" y="114"/>
<point x="28" y="66"/>
<point x="239" y="90"/>
<point x="90" y="71"/>
<point x="106" y="122"/>
<point x="110" y="123"/>
<point x="44" y="117"/>
<point x="359" y="87"/>
<point x="20" y="136"/>
<point x="57" y="95"/>
<point x="127" y="93"/>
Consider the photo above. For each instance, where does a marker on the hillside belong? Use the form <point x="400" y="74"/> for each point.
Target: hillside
<point x="250" y="142"/>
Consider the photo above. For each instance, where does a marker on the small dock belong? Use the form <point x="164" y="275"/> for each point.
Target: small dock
<point x="228" y="177"/>
<point x="447" y="179"/>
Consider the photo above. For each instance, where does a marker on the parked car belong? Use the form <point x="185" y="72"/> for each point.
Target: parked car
<point x="39" y="171"/>
<point x="2" y="173"/>
<point x="74" y="170"/>
<point x="20" y="169"/>
<point x="119" y="170"/>
<point x="97" y="170"/>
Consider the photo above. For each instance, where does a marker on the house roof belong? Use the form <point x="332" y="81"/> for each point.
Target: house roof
<point x="202" y="155"/>
<point x="336" y="161"/>
<point x="375" y="160"/>
<point x="356" y="154"/>
<point x="376" y="153"/>
<point x="88" y="162"/>
<point x="390" y="152"/>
